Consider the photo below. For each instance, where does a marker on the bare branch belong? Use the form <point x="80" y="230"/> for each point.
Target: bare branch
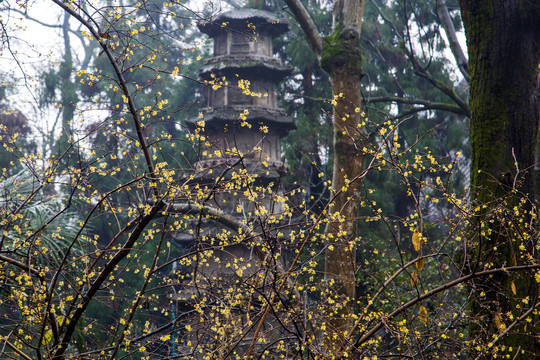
<point x="439" y="85"/>
<point x="423" y="72"/>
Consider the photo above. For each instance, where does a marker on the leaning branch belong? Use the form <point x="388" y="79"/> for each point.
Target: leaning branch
<point x="22" y="266"/>
<point x="440" y="85"/>
<point x="229" y="221"/>
<point x="17" y="350"/>
<point x="308" y="26"/>
<point x="216" y="214"/>
<point x="435" y="291"/>
<point x="448" y="26"/>
<point x="426" y="105"/>
<point x="118" y="72"/>
<point x="142" y="222"/>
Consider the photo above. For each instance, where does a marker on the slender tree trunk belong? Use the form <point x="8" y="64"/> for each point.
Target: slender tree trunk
<point x="339" y="55"/>
<point x="340" y="268"/>
<point x="342" y="60"/>
<point x="537" y="170"/>
<point x="503" y="39"/>
<point x="450" y="31"/>
<point x="68" y="96"/>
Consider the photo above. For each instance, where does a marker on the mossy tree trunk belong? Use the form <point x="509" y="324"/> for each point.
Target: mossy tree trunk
<point x="503" y="38"/>
<point x="341" y="59"/>
<point x="68" y="97"/>
<point x="339" y="55"/>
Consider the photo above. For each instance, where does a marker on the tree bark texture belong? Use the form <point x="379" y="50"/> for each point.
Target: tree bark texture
<point x="450" y="31"/>
<point x="503" y="38"/>
<point x="339" y="55"/>
<point x="342" y="60"/>
<point x="68" y="95"/>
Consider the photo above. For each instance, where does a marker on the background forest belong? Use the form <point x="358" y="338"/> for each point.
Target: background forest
<point x="404" y="226"/>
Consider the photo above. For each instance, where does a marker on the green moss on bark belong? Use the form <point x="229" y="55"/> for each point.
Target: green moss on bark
<point x="504" y="52"/>
<point x="340" y="49"/>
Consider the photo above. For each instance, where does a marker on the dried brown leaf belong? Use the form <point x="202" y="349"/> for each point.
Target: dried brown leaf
<point x="422" y="314"/>
<point x="414" y="279"/>
<point x="417" y="240"/>
<point x="501" y="326"/>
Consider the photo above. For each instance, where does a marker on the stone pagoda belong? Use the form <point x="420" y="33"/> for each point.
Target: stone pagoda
<point x="242" y="128"/>
<point x="242" y="120"/>
<point x="244" y="75"/>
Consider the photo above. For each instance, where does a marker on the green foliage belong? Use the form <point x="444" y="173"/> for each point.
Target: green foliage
<point x="307" y="149"/>
<point x="390" y="72"/>
<point x="38" y="219"/>
<point x="14" y="140"/>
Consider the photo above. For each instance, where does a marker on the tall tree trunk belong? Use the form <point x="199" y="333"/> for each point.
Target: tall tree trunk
<point x="339" y="55"/>
<point x="537" y="170"/>
<point x="68" y="95"/>
<point x="341" y="59"/>
<point x="503" y="39"/>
